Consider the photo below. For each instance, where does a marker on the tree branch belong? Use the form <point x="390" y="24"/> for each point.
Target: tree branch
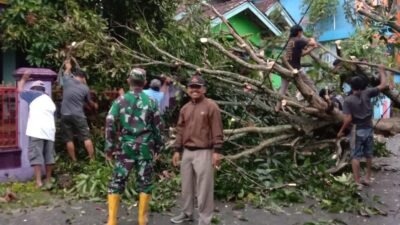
<point x="357" y="62"/>
<point x="395" y="97"/>
<point x="263" y="130"/>
<point x="236" y="58"/>
<point x="380" y="19"/>
<point x="242" y="43"/>
<point x="261" y="146"/>
<point x="195" y="67"/>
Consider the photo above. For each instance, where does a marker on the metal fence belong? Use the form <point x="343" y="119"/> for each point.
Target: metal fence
<point x="8" y="117"/>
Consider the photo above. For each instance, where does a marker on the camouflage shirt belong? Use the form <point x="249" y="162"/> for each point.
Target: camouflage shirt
<point x="137" y="120"/>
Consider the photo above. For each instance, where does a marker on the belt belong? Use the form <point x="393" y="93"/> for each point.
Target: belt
<point x="191" y="148"/>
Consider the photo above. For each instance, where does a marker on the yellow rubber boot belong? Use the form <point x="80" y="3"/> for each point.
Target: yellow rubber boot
<point x="144" y="200"/>
<point x="113" y="205"/>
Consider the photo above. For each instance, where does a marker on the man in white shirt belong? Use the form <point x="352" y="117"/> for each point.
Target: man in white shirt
<point x="40" y="128"/>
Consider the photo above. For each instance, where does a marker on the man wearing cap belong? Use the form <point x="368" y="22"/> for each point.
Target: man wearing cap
<point x="199" y="139"/>
<point x="73" y="119"/>
<point x="40" y="128"/>
<point x="136" y="118"/>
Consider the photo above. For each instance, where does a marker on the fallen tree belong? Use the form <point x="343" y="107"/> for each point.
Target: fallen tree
<point x="298" y="118"/>
<point x="270" y="150"/>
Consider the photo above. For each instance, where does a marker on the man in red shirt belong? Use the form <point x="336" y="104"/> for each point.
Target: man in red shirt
<point x="199" y="139"/>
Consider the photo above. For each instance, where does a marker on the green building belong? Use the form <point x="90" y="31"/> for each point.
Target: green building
<point x="256" y="20"/>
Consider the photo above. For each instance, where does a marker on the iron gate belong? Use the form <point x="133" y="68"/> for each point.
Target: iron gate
<point x="8" y="117"/>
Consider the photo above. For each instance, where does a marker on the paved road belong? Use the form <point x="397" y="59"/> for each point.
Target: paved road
<point x="88" y="213"/>
<point x="386" y="186"/>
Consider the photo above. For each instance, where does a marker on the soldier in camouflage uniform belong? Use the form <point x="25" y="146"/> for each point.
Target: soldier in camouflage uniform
<point x="140" y="125"/>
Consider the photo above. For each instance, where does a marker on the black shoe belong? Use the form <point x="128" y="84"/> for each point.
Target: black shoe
<point x="181" y="218"/>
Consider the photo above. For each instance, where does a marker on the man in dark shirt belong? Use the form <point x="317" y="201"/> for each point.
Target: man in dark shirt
<point x="357" y="111"/>
<point x="199" y="139"/>
<point x="297" y="47"/>
<point x="73" y="119"/>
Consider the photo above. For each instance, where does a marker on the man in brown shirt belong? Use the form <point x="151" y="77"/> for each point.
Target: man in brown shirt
<point x="199" y="139"/>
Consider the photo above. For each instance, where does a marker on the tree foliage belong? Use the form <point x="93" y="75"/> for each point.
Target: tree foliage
<point x="270" y="150"/>
<point x="319" y="9"/>
<point x="42" y="29"/>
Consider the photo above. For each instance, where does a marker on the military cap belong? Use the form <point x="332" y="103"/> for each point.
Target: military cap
<point x="138" y="74"/>
<point x="196" y="80"/>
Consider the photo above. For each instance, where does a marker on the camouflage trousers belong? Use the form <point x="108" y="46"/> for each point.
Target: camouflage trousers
<point x="122" y="169"/>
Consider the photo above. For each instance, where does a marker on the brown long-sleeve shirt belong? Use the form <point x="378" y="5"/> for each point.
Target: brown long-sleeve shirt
<point x="199" y="126"/>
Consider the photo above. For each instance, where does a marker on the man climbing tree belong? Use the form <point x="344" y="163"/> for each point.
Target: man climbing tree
<point x="297" y="47"/>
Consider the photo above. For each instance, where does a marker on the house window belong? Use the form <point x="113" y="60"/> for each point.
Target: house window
<point x="328" y="58"/>
<point x="263" y="30"/>
<point x="279" y="17"/>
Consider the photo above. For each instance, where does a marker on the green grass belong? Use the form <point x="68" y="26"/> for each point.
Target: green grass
<point x="28" y="196"/>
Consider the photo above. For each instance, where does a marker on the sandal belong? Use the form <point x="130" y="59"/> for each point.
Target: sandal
<point x="366" y="182"/>
<point x="359" y="187"/>
<point x="48" y="185"/>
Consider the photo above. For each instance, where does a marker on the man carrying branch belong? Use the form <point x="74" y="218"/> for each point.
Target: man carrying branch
<point x="73" y="120"/>
<point x="357" y="111"/>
